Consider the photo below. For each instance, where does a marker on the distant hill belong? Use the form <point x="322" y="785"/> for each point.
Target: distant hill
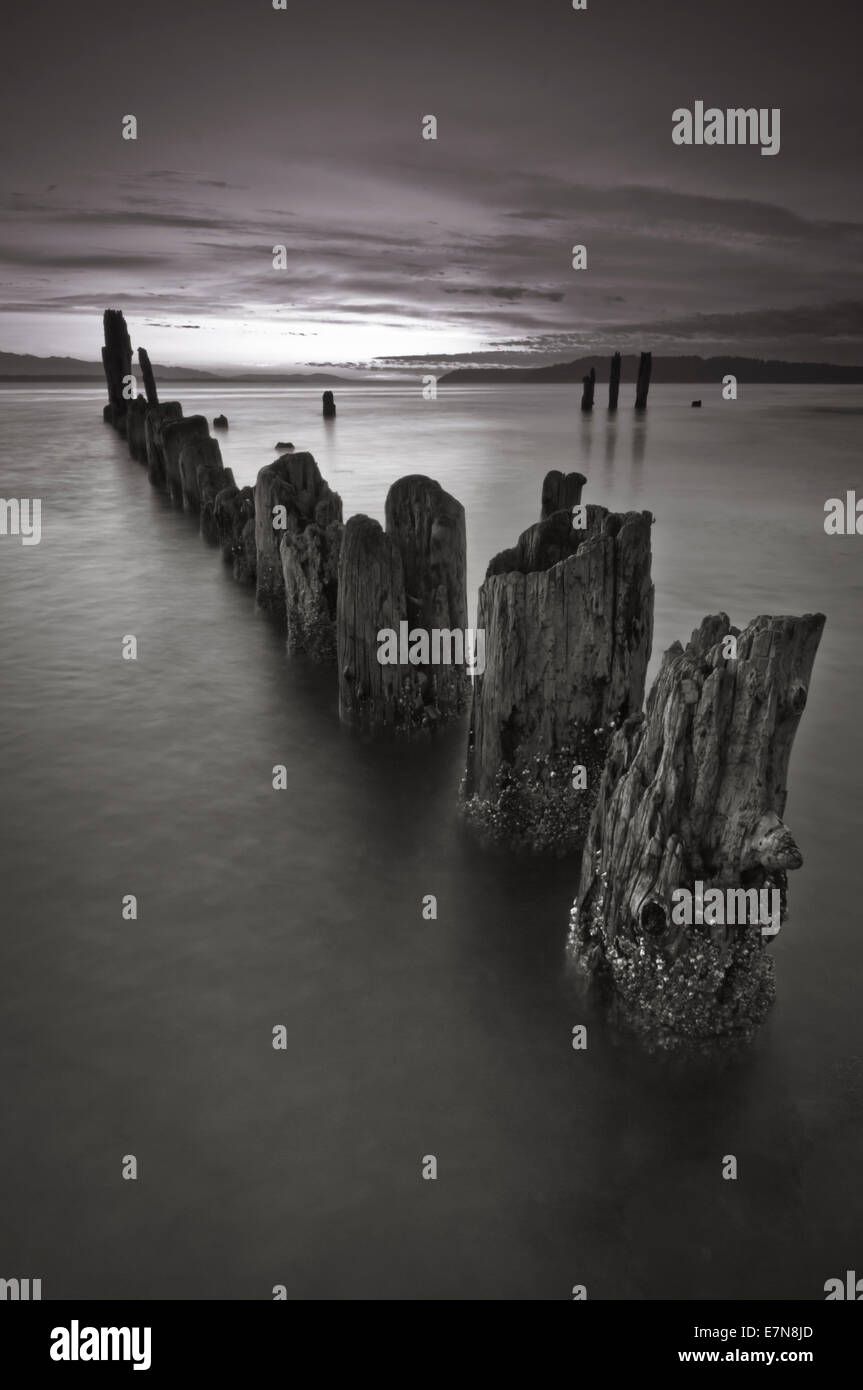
<point x="16" y="366"/>
<point x="668" y="370"/>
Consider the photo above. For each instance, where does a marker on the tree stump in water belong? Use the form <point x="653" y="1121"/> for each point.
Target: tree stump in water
<point x="694" y="791"/>
<point x="415" y="589"/>
<point x="568" y="619"/>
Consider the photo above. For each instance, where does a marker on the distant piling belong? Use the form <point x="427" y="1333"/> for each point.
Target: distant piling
<point x="588" y="388"/>
<point x="117" y="364"/>
<point x="329" y="406"/>
<point x="614" y="381"/>
<point x="645" y="366"/>
<point x="149" y="379"/>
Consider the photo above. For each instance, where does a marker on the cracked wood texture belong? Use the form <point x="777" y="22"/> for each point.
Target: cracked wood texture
<point x="568" y="619"/>
<point x="696" y="790"/>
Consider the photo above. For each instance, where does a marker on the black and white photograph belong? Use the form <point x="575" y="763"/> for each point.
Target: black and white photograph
<point x="431" y="569"/>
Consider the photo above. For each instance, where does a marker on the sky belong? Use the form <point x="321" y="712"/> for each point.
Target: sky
<point x="303" y="127"/>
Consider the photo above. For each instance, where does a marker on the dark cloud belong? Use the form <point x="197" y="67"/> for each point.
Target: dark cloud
<point x="508" y="292"/>
<point x="548" y="136"/>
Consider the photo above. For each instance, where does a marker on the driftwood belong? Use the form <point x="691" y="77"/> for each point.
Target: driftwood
<point x="614" y="381"/>
<point x="407" y="580"/>
<point x="568" y="620"/>
<point x="694" y="791"/>
<point x="560" y="492"/>
<point x="642" y="386"/>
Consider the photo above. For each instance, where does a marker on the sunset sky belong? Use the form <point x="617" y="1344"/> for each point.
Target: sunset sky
<point x="302" y="127"/>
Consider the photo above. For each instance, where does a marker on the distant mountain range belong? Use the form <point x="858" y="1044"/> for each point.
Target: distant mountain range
<point x="25" y="367"/>
<point x="16" y="366"/>
<point x="695" y="370"/>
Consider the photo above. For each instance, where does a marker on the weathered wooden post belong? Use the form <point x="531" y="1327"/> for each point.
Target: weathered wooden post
<point x="117" y="364"/>
<point x="642" y="386"/>
<point x="175" y="434"/>
<point x="155" y="420"/>
<point x="408" y="581"/>
<point x="329" y="406"/>
<point x="149" y="379"/>
<point x="136" y="420"/>
<point x="290" y="494"/>
<point x="614" y="381"/>
<point x="234" y="521"/>
<point x="568" y="620"/>
<point x="560" y="492"/>
<point x="693" y="793"/>
<point x="588" y="388"/>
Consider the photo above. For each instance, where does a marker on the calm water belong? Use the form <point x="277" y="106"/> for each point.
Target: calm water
<point x="405" y="1037"/>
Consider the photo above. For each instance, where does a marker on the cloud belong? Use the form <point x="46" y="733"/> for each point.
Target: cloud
<point x="508" y="292"/>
